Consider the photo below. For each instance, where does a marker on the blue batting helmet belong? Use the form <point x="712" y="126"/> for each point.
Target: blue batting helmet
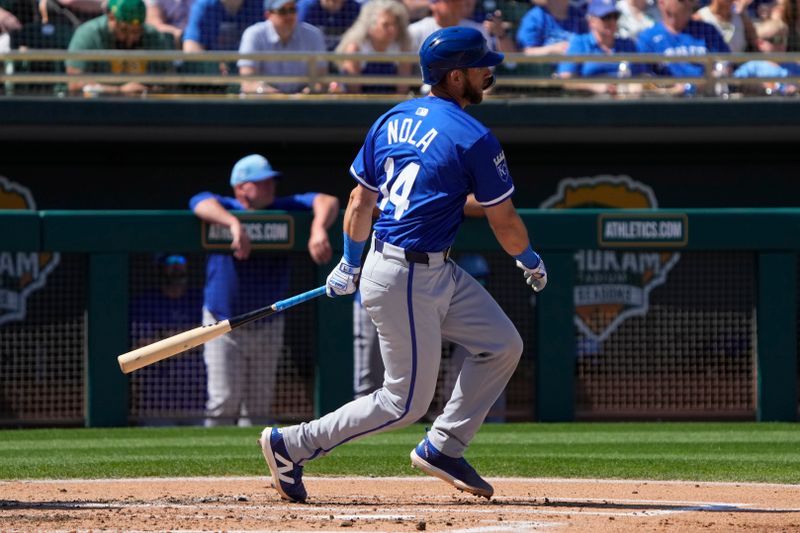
<point x="453" y="48"/>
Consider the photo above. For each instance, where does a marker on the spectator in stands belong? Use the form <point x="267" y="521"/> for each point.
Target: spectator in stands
<point x="280" y="32"/>
<point x="30" y="24"/>
<point x="636" y="16"/>
<point x="546" y="29"/>
<point x="735" y="27"/>
<point x="789" y="12"/>
<point x="333" y="17"/>
<point x="8" y="23"/>
<point x="382" y="26"/>
<point x="218" y="25"/>
<point x="417" y="9"/>
<point x="446" y="13"/>
<point x="169" y="16"/>
<point x="241" y="365"/>
<point x="83" y="10"/>
<point x="772" y="37"/>
<point x="602" y="16"/>
<point x="121" y="28"/>
<point x="678" y="35"/>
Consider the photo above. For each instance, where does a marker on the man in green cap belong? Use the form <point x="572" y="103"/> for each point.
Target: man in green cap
<point x="121" y="28"/>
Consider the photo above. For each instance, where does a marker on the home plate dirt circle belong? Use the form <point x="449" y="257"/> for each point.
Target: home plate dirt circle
<point x="397" y="504"/>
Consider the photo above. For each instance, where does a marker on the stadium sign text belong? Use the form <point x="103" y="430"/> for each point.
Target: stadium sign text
<point x="21" y="273"/>
<point x="638" y="230"/>
<point x="614" y="285"/>
<point x="266" y="232"/>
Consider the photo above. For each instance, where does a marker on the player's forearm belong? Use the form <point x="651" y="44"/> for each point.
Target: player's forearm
<point x="508" y="228"/>
<point x="326" y="209"/>
<point x="192" y="46"/>
<point x="212" y="211"/>
<point x="358" y="215"/>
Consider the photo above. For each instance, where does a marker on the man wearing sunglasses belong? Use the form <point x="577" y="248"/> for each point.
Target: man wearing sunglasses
<point x="678" y="35"/>
<point x="280" y="32"/>
<point x="773" y="37"/>
<point x="602" y="16"/>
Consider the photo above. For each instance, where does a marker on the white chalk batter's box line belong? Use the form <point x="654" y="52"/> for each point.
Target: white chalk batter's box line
<point x="410" y="512"/>
<point x="418" y="479"/>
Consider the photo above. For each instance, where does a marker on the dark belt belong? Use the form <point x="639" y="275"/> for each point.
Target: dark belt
<point x="411" y="255"/>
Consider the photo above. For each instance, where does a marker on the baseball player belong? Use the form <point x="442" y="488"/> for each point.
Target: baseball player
<point x="418" y="163"/>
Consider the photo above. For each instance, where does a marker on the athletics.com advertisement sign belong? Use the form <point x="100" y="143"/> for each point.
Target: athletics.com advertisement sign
<point x="614" y="285"/>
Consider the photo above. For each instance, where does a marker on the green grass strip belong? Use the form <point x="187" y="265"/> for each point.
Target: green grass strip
<point x="761" y="452"/>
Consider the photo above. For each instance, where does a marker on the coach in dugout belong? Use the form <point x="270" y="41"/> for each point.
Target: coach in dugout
<point x="241" y="365"/>
<point x="121" y="28"/>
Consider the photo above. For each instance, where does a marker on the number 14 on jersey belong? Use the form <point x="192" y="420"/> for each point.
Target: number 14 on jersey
<point x="398" y="190"/>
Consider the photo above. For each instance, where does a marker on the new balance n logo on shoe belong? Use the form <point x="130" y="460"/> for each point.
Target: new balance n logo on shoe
<point x="287" y="476"/>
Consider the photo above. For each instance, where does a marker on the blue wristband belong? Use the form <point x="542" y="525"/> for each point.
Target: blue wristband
<point x="529" y="258"/>
<point x="353" y="250"/>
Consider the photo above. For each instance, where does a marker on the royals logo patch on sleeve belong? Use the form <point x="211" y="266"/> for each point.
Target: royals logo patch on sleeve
<point x="501" y="166"/>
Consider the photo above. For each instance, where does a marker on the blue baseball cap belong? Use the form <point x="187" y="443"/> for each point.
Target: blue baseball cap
<point x="252" y="168"/>
<point x="274" y="5"/>
<point x="601" y="8"/>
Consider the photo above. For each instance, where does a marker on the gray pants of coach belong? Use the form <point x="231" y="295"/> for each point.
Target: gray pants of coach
<point x="414" y="306"/>
<point x="241" y="367"/>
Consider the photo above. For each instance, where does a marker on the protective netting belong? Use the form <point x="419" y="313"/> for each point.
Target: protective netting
<point x="174" y="390"/>
<point x="42" y="345"/>
<point x="527" y="29"/>
<point x="691" y="356"/>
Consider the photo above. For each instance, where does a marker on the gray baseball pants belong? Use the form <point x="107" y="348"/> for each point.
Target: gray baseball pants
<point x="414" y="306"/>
<point x="240" y="368"/>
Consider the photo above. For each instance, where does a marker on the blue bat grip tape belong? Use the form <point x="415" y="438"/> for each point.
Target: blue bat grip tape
<point x="300" y="298"/>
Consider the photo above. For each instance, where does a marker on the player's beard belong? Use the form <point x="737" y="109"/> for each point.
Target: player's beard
<point x="472" y="94"/>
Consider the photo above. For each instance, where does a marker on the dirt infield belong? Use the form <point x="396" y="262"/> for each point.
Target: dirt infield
<point x="397" y="504"/>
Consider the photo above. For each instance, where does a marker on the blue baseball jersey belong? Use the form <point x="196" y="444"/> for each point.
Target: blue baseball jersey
<point x="539" y="28"/>
<point x="333" y="24"/>
<point x="423" y="157"/>
<point x="234" y="287"/>
<point x="585" y="43"/>
<point x="697" y="38"/>
<point x="212" y="26"/>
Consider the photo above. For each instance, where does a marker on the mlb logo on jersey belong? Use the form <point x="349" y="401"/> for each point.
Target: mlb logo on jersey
<point x="501" y="166"/>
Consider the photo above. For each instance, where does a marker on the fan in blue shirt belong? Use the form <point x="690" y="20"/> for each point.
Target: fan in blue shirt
<point x="333" y="17"/>
<point x="541" y="32"/>
<point x="602" y="17"/>
<point x="212" y="27"/>
<point x="678" y="35"/>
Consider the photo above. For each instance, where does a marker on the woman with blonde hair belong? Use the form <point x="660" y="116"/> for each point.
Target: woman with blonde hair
<point x="381" y="27"/>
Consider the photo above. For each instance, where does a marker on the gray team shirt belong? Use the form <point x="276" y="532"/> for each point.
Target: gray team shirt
<point x="262" y="37"/>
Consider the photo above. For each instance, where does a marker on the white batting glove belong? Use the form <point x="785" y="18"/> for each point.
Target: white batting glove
<point x="342" y="279"/>
<point x="536" y="277"/>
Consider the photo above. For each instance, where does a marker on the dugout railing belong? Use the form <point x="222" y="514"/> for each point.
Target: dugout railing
<point x="34" y="72"/>
<point x="718" y="341"/>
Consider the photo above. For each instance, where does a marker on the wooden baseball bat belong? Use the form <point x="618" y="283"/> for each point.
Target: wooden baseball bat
<point x="157" y="351"/>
